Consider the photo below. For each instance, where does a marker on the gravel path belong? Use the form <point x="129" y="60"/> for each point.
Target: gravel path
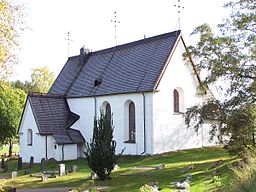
<point x="63" y="189"/>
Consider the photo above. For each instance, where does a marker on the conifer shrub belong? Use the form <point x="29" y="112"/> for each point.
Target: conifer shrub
<point x="100" y="152"/>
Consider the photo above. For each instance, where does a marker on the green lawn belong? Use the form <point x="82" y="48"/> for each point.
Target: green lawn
<point x="126" y="179"/>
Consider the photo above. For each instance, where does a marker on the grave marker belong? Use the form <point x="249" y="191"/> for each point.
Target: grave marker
<point x="31" y="162"/>
<point x="42" y="165"/>
<point x="20" y="163"/>
<point x="62" y="170"/>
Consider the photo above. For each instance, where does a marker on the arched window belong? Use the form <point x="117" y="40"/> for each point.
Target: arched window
<point x="132" y="129"/>
<point x="29" y="137"/>
<point x="108" y="112"/>
<point x="176" y="104"/>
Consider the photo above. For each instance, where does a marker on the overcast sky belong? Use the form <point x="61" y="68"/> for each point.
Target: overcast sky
<point x="89" y="23"/>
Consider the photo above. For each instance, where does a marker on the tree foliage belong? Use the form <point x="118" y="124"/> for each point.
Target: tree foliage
<point x="229" y="57"/>
<point x="11" y="106"/>
<point x="100" y="153"/>
<point x="11" y="24"/>
<point x="41" y="81"/>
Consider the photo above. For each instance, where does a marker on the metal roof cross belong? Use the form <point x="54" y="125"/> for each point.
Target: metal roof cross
<point x="115" y="21"/>
<point x="179" y="8"/>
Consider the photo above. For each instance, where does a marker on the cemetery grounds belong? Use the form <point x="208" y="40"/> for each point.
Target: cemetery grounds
<point x="209" y="168"/>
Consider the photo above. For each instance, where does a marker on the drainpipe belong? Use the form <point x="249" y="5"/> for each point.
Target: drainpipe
<point x="95" y="107"/>
<point x="144" y="123"/>
<point x="63" y="152"/>
<point x="46" y="153"/>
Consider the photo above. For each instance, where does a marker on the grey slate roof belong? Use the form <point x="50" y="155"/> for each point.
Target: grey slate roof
<point x="129" y="68"/>
<point x="53" y="117"/>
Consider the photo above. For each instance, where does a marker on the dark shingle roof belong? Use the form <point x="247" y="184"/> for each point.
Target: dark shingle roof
<point x="129" y="68"/>
<point x="53" y="117"/>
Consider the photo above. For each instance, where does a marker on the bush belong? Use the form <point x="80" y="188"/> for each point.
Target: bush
<point x="100" y="153"/>
<point x="245" y="173"/>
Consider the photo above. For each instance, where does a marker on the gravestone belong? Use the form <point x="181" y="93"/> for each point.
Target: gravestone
<point x="5" y="168"/>
<point x="14" y="174"/>
<point x="42" y="164"/>
<point x="44" y="178"/>
<point x="20" y="163"/>
<point x="2" y="163"/>
<point x="62" y="170"/>
<point x="93" y="176"/>
<point x="31" y="162"/>
<point x="74" y="168"/>
<point x="27" y="171"/>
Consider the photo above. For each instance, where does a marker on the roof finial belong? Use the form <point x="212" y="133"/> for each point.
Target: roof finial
<point x="179" y="8"/>
<point x="68" y="39"/>
<point x="115" y="21"/>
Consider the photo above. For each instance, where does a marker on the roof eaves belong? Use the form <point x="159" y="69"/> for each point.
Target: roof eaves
<point x="23" y="111"/>
<point x="34" y="114"/>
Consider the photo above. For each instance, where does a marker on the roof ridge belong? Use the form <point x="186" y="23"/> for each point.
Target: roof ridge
<point x="135" y="42"/>
<point x="46" y="95"/>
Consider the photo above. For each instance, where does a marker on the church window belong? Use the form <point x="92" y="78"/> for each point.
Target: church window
<point x="108" y="112"/>
<point x="29" y="137"/>
<point x="176" y="104"/>
<point x="132" y="129"/>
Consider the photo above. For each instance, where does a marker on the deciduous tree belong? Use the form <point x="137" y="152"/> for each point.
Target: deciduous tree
<point x="11" y="24"/>
<point x="11" y="106"/>
<point x="229" y="57"/>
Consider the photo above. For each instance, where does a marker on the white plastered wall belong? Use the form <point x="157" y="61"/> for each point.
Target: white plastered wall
<point x="85" y="107"/>
<point x="38" y="148"/>
<point x="170" y="132"/>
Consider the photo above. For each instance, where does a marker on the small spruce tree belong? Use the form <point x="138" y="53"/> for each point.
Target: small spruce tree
<point x="100" y="152"/>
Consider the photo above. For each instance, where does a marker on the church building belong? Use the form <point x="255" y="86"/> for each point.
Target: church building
<point x="145" y="86"/>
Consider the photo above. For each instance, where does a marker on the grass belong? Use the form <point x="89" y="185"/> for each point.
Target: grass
<point x="125" y="179"/>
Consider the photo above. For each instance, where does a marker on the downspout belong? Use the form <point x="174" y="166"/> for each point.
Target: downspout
<point x="46" y="150"/>
<point x="62" y="152"/>
<point x="144" y="123"/>
<point x="95" y="107"/>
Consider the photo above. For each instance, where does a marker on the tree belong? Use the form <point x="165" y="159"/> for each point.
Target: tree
<point x="229" y="57"/>
<point x="100" y="153"/>
<point x="42" y="79"/>
<point x="11" y="24"/>
<point x="11" y="106"/>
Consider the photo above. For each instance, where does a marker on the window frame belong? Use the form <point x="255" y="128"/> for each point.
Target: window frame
<point x="29" y="137"/>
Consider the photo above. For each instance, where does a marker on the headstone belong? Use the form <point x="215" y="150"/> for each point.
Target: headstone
<point x="62" y="170"/>
<point x="20" y="163"/>
<point x="42" y="165"/>
<point x="31" y="162"/>
<point x="14" y="174"/>
<point x="94" y="175"/>
<point x="27" y="171"/>
<point x="161" y="166"/>
<point x="2" y="163"/>
<point x="116" y="167"/>
<point x="74" y="168"/>
<point x="5" y="168"/>
<point x="44" y="178"/>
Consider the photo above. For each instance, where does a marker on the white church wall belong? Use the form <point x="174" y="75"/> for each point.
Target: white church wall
<point x="170" y="132"/>
<point x="37" y="149"/>
<point x="85" y="107"/>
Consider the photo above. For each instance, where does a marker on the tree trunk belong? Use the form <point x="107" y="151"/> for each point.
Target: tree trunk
<point x="10" y="148"/>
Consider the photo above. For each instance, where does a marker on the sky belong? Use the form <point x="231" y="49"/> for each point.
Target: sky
<point x="45" y="42"/>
